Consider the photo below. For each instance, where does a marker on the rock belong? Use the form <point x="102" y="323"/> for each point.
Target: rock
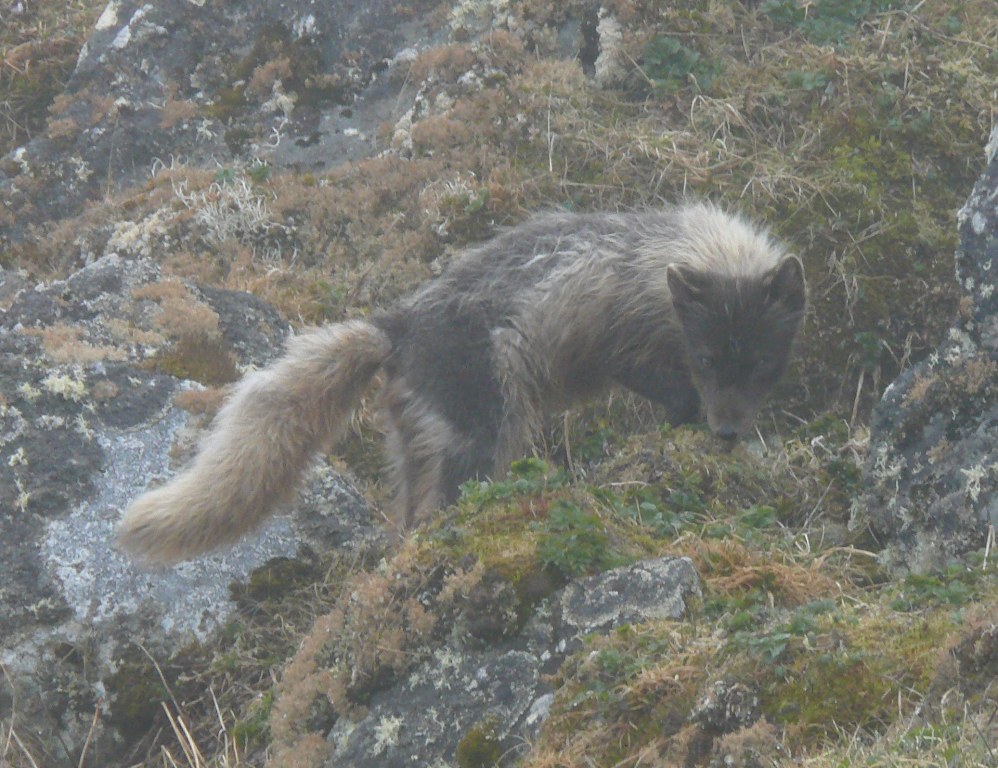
<point x="87" y="421"/>
<point x="726" y="706"/>
<point x="495" y="699"/>
<point x="296" y="84"/>
<point x="653" y="589"/>
<point x="932" y="469"/>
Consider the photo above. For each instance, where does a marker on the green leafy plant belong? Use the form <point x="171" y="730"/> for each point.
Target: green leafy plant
<point x="955" y="586"/>
<point x="824" y="22"/>
<point x="527" y="477"/>
<point x="574" y="541"/>
<point x="671" y="65"/>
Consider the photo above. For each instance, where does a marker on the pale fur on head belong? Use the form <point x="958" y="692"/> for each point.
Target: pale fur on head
<point x="714" y="240"/>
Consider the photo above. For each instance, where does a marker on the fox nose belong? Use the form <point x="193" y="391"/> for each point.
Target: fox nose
<point x="726" y="432"/>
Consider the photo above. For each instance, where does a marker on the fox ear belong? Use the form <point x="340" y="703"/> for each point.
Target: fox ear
<point x="685" y="284"/>
<point x="785" y="285"/>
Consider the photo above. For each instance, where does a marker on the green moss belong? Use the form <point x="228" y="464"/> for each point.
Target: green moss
<point x="136" y="693"/>
<point x="199" y="357"/>
<point x="28" y="87"/>
<point x="307" y="78"/>
<point x="229" y="103"/>
<point x="276" y="580"/>
<point x="480" y="746"/>
<point x="363" y="450"/>
<point x="957" y="585"/>
<point x="851" y="671"/>
<point x="237" y="138"/>
<point x="253" y="729"/>
<point x="680" y="480"/>
<point x="624" y="691"/>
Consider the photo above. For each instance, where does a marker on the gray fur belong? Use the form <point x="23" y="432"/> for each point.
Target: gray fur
<point x="687" y="306"/>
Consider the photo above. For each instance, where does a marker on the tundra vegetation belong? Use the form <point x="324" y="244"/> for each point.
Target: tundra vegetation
<point x="854" y="127"/>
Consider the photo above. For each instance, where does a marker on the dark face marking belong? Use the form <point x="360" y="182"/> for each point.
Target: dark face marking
<point x="738" y="334"/>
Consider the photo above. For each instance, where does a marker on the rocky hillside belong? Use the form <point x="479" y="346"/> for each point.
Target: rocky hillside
<point x="184" y="183"/>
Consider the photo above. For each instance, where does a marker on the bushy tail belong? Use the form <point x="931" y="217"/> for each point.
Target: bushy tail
<point x="259" y="445"/>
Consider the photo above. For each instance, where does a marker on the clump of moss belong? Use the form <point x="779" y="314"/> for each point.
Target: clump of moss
<point x="480" y="747"/>
<point x="622" y="694"/>
<point x="852" y="673"/>
<point x="276" y="579"/>
<point x="137" y="692"/>
<point x="199" y="357"/>
<point x="252" y="729"/>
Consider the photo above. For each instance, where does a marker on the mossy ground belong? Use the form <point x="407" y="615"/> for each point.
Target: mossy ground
<point x="855" y="129"/>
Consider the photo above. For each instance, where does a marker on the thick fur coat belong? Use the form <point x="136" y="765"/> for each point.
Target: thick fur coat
<point x="689" y="306"/>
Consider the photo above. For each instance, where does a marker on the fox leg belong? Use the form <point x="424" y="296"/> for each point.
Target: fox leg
<point x="419" y="441"/>
<point x="520" y="377"/>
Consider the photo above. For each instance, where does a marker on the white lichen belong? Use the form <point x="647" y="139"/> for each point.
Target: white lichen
<point x="979" y="222"/>
<point x="204" y="131"/>
<point x="18" y="458"/>
<point x="963" y="346"/>
<point x="386" y="733"/>
<point x="28" y="392"/>
<point x="279" y="101"/>
<point x="83" y="170"/>
<point x="886" y="469"/>
<point x="139" y="238"/>
<point x="610" y="65"/>
<point x="473" y="16"/>
<point x="992" y="146"/>
<point x="304" y="27"/>
<point x="228" y="210"/>
<point x="19" y="156"/>
<point x="65" y="386"/>
<point x="81" y="427"/>
<point x="974" y="477"/>
<point x="448" y="661"/>
<point x="23" y="495"/>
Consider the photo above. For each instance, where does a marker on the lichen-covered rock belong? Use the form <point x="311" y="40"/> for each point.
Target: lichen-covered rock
<point x="652" y="589"/>
<point x="726" y="706"/>
<point x="465" y="701"/>
<point x="296" y="84"/>
<point x="88" y="419"/>
<point x="932" y="470"/>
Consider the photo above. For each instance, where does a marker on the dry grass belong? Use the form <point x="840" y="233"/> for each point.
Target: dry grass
<point x="39" y="45"/>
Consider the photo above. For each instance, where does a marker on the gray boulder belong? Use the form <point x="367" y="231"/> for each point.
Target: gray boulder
<point x="87" y="421"/>
<point x="932" y="469"/>
<point x="492" y="701"/>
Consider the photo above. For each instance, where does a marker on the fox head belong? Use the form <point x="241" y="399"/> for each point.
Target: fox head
<point x="738" y="332"/>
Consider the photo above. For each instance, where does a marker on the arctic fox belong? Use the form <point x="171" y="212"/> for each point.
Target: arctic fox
<point x="688" y="306"/>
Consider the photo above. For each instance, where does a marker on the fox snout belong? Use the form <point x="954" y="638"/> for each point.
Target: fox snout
<point x="730" y="414"/>
<point x="726" y="432"/>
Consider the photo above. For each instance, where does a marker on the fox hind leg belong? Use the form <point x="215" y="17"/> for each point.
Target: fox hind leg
<point x="419" y="441"/>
